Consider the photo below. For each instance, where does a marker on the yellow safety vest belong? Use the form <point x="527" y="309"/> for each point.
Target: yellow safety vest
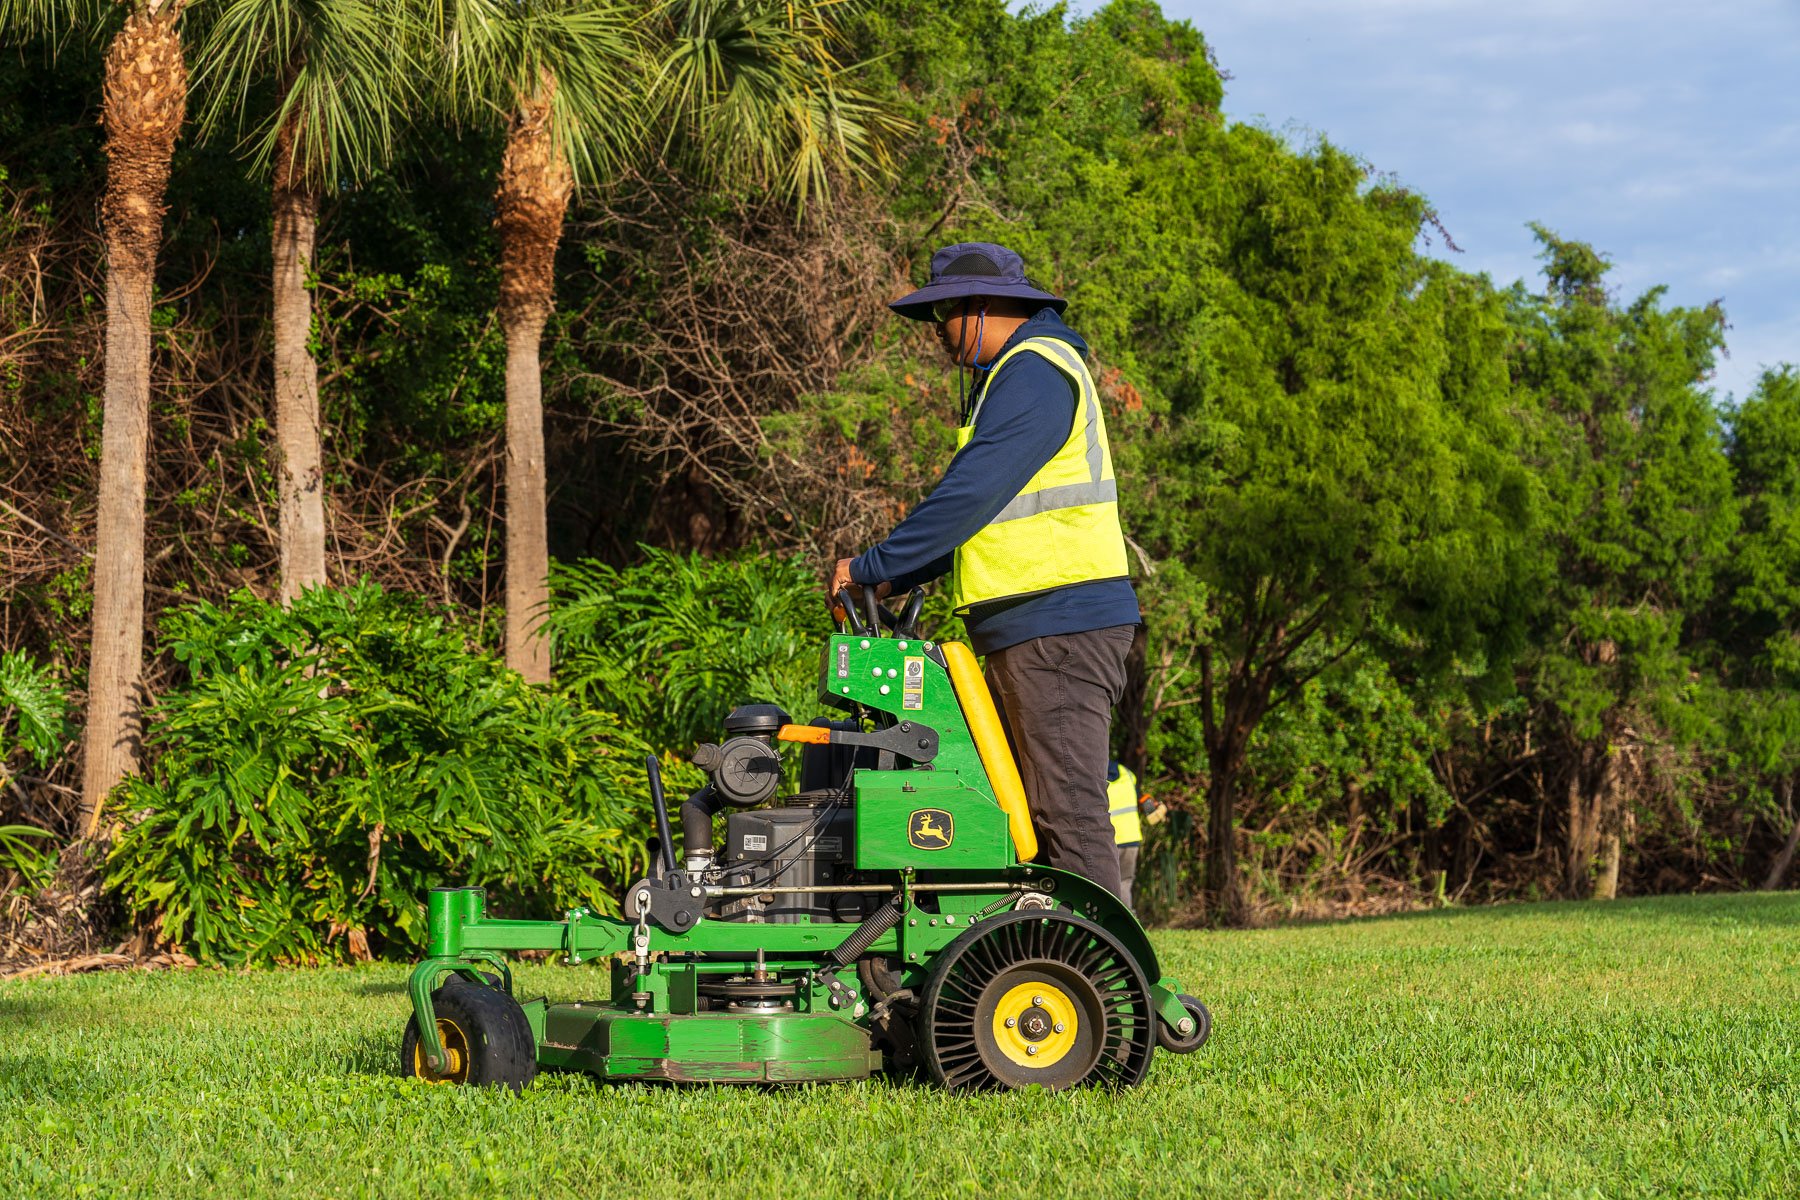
<point x="1122" y="803"/>
<point x="1063" y="526"/>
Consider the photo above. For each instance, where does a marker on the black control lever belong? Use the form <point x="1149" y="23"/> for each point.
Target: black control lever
<point x="660" y="806"/>
<point x="873" y="610"/>
<point x="847" y="607"/>
<point x="908" y="625"/>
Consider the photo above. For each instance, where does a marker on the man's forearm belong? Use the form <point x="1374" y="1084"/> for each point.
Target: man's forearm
<point x="867" y="569"/>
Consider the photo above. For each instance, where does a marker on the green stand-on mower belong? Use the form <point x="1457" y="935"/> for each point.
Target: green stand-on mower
<point x="886" y="916"/>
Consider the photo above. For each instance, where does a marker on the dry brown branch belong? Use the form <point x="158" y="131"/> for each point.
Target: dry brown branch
<point x="760" y="315"/>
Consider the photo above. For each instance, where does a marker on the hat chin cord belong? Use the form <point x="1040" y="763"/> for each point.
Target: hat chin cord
<point x="963" y="402"/>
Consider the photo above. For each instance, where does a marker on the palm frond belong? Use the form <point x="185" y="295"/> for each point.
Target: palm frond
<point x="54" y="20"/>
<point x="752" y="91"/>
<point x="342" y="72"/>
<point x="487" y="56"/>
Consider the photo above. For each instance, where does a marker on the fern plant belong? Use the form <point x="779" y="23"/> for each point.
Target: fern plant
<point x="676" y="642"/>
<point x="34" y="725"/>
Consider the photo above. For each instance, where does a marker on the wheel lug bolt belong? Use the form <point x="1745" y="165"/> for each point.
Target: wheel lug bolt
<point x="1011" y="1021"/>
<point x="1037" y="1002"/>
<point x="1031" y="1049"/>
<point x="1059" y="1027"/>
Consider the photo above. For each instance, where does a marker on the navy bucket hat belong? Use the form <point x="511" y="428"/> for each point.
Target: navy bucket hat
<point x="973" y="269"/>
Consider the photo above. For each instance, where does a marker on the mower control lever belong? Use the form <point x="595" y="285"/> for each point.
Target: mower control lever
<point x="908" y="739"/>
<point x="875" y="616"/>
<point x="908" y="624"/>
<point x="661" y="807"/>
<point x="873" y="610"/>
<point x="844" y="609"/>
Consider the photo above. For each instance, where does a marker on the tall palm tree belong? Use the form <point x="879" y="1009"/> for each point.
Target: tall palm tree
<point x="562" y="75"/>
<point x="145" y="101"/>
<point x="314" y="90"/>
<point x="742" y="90"/>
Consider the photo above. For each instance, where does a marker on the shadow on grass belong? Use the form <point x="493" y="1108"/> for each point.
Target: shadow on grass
<point x="45" y="1078"/>
<point x="375" y="1053"/>
<point x="17" y="1012"/>
<point x="1749" y="908"/>
<point x="393" y="988"/>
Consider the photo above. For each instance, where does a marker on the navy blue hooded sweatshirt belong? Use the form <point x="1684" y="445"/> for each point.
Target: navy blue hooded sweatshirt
<point x="1025" y="419"/>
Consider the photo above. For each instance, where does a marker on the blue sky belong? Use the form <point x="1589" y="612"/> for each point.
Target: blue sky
<point x="1666" y="135"/>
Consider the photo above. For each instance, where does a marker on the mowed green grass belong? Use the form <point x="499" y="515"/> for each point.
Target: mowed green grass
<point x="1634" y="1049"/>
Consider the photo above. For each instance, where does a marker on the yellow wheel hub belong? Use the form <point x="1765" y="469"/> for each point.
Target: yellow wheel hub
<point x="1035" y="1024"/>
<point x="456" y="1055"/>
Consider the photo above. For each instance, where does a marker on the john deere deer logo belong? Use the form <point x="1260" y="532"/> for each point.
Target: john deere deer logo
<point x="931" y="829"/>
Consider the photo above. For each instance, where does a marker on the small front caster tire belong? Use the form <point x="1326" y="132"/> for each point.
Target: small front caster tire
<point x="1176" y="1041"/>
<point x="483" y="1032"/>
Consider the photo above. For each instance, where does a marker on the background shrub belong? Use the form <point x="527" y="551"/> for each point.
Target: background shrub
<point x="675" y="642"/>
<point x="319" y="768"/>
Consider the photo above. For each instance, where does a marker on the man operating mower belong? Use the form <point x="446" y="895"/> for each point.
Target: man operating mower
<point x="1026" y="522"/>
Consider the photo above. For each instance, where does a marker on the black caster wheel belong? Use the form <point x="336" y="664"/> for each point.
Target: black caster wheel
<point x="1175" y="1041"/>
<point x="484" y="1034"/>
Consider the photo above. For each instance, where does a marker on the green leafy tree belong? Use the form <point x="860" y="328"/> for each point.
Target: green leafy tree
<point x="1628" y="447"/>
<point x="1757" y="635"/>
<point x="1338" y="468"/>
<point x="314" y="91"/>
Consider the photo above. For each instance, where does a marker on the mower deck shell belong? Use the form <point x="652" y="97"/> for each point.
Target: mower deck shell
<point x="790" y="1047"/>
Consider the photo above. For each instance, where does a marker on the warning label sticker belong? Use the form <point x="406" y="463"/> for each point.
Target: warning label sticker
<point x="843" y="660"/>
<point x="912" y="691"/>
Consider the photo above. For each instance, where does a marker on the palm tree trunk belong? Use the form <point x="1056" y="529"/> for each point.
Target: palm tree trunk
<point x="145" y="102"/>
<point x="301" y="499"/>
<point x="533" y="195"/>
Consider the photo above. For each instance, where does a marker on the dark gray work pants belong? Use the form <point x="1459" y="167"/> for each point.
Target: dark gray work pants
<point x="1056" y="696"/>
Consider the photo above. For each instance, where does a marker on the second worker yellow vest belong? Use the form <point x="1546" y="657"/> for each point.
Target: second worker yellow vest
<point x="1063" y="526"/>
<point x="1122" y="806"/>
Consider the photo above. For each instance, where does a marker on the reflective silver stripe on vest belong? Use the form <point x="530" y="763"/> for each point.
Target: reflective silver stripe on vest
<point x="1065" y="354"/>
<point x="1068" y="495"/>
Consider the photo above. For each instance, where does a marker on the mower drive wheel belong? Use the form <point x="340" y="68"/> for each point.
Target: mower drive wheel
<point x="1036" y="996"/>
<point x="1176" y="1042"/>
<point x="483" y="1032"/>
